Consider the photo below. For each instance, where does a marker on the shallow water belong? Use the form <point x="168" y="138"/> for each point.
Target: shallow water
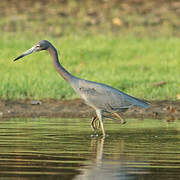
<point x="64" y="149"/>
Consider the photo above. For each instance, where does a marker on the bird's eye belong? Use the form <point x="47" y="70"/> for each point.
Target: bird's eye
<point x="38" y="46"/>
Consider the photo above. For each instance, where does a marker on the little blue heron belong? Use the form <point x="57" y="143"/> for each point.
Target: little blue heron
<point x="101" y="97"/>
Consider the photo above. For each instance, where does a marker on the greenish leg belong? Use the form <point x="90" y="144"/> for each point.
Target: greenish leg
<point x="121" y="119"/>
<point x="100" y="117"/>
<point x="95" y="123"/>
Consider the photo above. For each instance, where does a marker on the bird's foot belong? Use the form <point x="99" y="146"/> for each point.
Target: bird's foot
<point x="99" y="135"/>
<point x="123" y="122"/>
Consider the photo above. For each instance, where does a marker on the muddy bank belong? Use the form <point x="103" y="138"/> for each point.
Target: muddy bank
<point x="168" y="110"/>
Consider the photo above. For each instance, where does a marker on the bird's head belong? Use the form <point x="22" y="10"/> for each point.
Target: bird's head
<point x="41" y="45"/>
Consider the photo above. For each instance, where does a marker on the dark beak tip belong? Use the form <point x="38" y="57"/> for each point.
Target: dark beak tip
<point x="18" y="57"/>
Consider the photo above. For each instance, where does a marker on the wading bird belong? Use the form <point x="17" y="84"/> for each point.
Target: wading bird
<point x="101" y="97"/>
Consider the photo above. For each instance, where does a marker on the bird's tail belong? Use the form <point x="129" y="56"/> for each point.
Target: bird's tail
<point x="142" y="104"/>
<point x="138" y="102"/>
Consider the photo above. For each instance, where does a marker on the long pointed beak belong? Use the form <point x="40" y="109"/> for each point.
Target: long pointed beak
<point x="33" y="49"/>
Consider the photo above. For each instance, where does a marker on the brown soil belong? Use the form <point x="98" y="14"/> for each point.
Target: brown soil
<point x="168" y="110"/>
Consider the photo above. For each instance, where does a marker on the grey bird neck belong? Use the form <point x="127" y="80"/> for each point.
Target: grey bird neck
<point x="60" y="69"/>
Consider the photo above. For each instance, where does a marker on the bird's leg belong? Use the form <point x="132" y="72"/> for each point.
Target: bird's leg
<point x="94" y="124"/>
<point x="123" y="121"/>
<point x="100" y="116"/>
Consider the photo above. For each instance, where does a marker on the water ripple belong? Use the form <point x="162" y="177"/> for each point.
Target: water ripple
<point x="63" y="149"/>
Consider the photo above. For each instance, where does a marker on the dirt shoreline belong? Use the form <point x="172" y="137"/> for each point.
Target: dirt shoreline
<point x="168" y="110"/>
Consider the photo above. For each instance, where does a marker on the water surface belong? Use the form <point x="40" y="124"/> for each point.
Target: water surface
<point x="64" y="149"/>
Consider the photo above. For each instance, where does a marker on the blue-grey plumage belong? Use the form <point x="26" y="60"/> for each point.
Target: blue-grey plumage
<point x="104" y="97"/>
<point x="101" y="97"/>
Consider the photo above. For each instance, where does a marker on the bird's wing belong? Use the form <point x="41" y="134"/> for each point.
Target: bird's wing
<point x="103" y="97"/>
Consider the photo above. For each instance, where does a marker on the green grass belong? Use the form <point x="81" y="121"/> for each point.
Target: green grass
<point x="130" y="64"/>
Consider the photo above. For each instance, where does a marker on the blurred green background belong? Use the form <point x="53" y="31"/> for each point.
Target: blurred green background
<point x="132" y="45"/>
<point x="62" y="17"/>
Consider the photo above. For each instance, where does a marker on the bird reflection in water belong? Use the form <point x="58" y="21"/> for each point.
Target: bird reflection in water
<point x="106" y="168"/>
